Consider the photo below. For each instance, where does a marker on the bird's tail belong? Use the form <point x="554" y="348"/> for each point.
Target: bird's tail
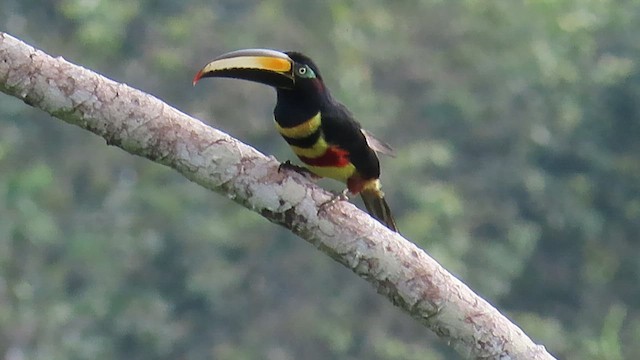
<point x="377" y="207"/>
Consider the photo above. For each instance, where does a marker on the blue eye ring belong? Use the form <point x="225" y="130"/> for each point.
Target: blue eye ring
<point x="304" y="71"/>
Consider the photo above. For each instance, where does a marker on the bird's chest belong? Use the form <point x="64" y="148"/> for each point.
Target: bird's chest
<point x="309" y="144"/>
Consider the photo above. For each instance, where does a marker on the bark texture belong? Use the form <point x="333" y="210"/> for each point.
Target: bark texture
<point x="143" y="125"/>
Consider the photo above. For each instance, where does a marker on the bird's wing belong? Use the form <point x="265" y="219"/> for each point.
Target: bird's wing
<point x="378" y="145"/>
<point x="340" y="115"/>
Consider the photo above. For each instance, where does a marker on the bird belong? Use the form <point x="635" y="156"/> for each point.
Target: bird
<point x="321" y="131"/>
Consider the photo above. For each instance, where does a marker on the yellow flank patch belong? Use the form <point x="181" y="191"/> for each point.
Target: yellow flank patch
<point x="337" y="173"/>
<point x="373" y="185"/>
<point x="302" y="130"/>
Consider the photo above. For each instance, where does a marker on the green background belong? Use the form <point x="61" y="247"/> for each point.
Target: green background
<point x="517" y="130"/>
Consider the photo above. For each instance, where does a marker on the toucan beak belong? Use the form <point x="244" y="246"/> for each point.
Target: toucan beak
<point x="265" y="66"/>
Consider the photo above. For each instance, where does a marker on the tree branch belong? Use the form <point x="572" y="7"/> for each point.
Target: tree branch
<point x="143" y="125"/>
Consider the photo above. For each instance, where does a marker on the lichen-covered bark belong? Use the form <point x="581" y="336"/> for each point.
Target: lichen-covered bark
<point x="143" y="125"/>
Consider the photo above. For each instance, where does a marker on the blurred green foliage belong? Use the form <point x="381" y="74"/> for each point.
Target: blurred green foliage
<point x="516" y="124"/>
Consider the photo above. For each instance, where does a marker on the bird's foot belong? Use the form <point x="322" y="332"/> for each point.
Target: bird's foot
<point x="287" y="165"/>
<point x="341" y="196"/>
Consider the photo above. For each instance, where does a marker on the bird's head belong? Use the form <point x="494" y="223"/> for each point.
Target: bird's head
<point x="285" y="71"/>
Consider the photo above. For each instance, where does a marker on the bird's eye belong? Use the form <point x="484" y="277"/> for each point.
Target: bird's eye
<point x="305" y="72"/>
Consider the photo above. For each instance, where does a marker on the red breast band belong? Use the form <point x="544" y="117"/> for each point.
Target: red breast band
<point x="334" y="156"/>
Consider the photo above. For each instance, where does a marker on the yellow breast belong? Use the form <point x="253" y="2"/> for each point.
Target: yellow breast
<point x="316" y="154"/>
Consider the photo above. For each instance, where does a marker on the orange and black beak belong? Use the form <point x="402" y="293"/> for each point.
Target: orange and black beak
<point x="270" y="67"/>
